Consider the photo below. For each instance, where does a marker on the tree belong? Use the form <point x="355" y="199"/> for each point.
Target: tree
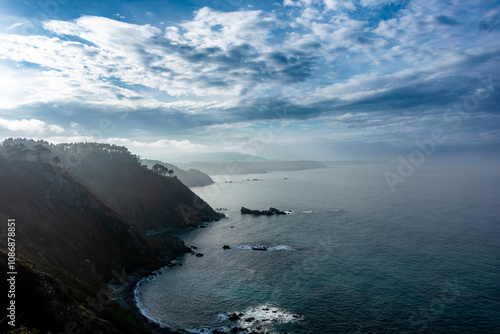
<point x="159" y="169"/>
<point x="41" y="152"/>
<point x="170" y="172"/>
<point x="17" y="151"/>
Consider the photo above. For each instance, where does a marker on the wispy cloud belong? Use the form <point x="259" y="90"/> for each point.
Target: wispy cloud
<point x="304" y="61"/>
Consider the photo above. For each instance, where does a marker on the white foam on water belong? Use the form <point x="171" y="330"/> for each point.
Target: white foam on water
<point x="280" y="248"/>
<point x="205" y="330"/>
<point x="264" y="317"/>
<point x="144" y="311"/>
<point x="266" y="313"/>
<point x="272" y="247"/>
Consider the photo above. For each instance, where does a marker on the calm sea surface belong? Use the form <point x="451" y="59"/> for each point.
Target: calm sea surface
<point x="351" y="257"/>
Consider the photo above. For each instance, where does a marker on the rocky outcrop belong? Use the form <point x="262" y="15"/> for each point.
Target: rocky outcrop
<point x="270" y="212"/>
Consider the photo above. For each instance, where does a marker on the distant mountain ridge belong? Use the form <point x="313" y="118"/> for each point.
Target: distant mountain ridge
<point x="252" y="167"/>
<point x="218" y="157"/>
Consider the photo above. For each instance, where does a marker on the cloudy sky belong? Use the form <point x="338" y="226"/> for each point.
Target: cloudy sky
<point x="293" y="79"/>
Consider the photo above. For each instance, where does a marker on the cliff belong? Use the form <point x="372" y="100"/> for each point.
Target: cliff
<point x="83" y="227"/>
<point x="148" y="200"/>
<point x="190" y="177"/>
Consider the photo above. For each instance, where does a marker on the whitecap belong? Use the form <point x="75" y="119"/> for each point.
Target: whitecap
<point x="265" y="316"/>
<point x="279" y="248"/>
<point x="272" y="247"/>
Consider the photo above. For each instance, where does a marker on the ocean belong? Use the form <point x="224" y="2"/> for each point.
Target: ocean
<point x="351" y="256"/>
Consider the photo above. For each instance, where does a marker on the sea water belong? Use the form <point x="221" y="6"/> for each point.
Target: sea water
<point x="351" y="256"/>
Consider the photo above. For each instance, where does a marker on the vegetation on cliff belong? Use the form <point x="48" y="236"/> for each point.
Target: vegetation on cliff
<point x="191" y="177"/>
<point x="82" y="222"/>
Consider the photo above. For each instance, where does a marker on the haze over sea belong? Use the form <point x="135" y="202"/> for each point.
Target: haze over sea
<point x="352" y="257"/>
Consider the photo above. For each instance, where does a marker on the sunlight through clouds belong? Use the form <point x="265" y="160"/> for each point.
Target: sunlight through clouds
<point x="319" y="58"/>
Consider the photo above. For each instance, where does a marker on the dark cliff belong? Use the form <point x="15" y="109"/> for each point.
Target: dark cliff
<point x="82" y="227"/>
<point x="149" y="200"/>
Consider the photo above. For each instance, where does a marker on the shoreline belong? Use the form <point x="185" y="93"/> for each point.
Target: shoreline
<point x="127" y="298"/>
<point x="126" y="294"/>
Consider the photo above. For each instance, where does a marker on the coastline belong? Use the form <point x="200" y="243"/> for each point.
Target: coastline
<point x="127" y="298"/>
<point x="125" y="293"/>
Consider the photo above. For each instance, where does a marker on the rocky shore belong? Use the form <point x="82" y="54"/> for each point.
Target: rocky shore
<point x="126" y="298"/>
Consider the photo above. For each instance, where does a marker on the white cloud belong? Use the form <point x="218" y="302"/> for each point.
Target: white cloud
<point x="228" y="67"/>
<point x="30" y="127"/>
<point x="300" y="3"/>
<point x="338" y="5"/>
<point x="216" y="29"/>
<point x="163" y="149"/>
<point x="202" y="57"/>
<point x="18" y="24"/>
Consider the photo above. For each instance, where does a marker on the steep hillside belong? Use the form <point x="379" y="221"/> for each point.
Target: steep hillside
<point x="69" y="246"/>
<point x="149" y="200"/>
<point x="82" y="221"/>
<point x="190" y="177"/>
<point x="117" y="178"/>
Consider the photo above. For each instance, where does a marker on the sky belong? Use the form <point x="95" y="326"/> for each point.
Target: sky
<point x="292" y="79"/>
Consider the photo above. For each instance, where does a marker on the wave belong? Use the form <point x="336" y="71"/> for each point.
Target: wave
<point x="260" y="319"/>
<point x="272" y="247"/>
<point x="152" y="277"/>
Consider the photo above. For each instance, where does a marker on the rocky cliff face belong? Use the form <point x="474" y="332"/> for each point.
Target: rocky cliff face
<point x="149" y="200"/>
<point x="80" y="229"/>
